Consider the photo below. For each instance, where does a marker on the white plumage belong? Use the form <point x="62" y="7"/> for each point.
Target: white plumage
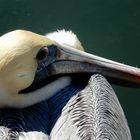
<point x="92" y="114"/>
<point x="64" y="37"/>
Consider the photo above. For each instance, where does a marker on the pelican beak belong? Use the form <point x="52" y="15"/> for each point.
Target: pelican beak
<point x="67" y="60"/>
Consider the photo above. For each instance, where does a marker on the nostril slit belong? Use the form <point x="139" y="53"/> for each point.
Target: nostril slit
<point x="43" y="52"/>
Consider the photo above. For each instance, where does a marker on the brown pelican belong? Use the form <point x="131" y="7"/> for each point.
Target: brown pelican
<point x="41" y="96"/>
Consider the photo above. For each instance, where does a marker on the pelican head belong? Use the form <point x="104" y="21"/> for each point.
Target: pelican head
<point x="28" y="60"/>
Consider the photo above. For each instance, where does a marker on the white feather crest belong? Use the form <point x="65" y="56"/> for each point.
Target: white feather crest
<point x="64" y="37"/>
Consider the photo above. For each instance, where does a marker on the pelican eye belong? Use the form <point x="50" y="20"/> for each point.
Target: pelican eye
<point x="42" y="54"/>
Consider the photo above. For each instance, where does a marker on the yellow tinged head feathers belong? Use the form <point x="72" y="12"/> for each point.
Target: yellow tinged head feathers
<point x="18" y="64"/>
<point x="18" y="50"/>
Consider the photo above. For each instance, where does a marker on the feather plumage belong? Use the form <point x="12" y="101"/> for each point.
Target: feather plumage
<point x="92" y="114"/>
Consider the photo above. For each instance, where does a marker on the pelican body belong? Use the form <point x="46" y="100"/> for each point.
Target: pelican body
<point x="38" y="83"/>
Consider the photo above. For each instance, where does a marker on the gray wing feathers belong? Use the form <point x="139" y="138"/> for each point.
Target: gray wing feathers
<point x="92" y="114"/>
